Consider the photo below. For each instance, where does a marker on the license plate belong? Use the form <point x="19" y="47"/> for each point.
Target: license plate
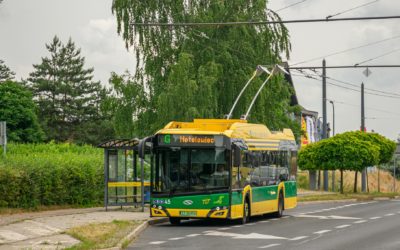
<point x="187" y="213"/>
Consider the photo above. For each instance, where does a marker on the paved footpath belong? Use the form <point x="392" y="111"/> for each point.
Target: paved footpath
<point x="45" y="230"/>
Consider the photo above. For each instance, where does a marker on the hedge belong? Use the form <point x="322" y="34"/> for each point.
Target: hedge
<point x="51" y="174"/>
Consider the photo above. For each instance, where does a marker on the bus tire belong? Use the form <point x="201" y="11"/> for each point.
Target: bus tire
<point x="246" y="212"/>
<point x="281" y="206"/>
<point x="174" y="220"/>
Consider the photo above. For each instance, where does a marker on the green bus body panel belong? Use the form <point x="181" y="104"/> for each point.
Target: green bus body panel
<point x="207" y="201"/>
<point x="264" y="193"/>
<point x="290" y="189"/>
<point x="237" y="197"/>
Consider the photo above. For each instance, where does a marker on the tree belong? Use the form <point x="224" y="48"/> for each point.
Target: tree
<point x="347" y="151"/>
<point x="5" y="72"/>
<point x="199" y="72"/>
<point x="127" y="104"/>
<point x="69" y="100"/>
<point x="19" y="111"/>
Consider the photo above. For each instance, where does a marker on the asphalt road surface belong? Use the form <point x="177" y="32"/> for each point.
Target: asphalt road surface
<point x="348" y="226"/>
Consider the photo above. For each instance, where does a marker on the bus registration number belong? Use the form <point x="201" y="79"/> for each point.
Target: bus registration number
<point x="187" y="213"/>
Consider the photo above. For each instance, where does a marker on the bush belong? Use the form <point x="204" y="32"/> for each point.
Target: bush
<point x="51" y="174"/>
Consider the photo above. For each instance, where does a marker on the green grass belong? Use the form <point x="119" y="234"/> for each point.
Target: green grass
<point x="357" y="196"/>
<point x="102" y="235"/>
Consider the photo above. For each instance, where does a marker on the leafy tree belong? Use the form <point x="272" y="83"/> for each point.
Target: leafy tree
<point x="69" y="100"/>
<point x="127" y="105"/>
<point x="189" y="73"/>
<point x="19" y="111"/>
<point x="5" y="72"/>
<point x="347" y="151"/>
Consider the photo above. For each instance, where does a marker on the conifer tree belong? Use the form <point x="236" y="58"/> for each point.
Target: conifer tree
<point x="69" y="100"/>
<point x="5" y="72"/>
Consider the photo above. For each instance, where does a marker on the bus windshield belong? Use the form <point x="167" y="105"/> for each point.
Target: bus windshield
<point x="181" y="170"/>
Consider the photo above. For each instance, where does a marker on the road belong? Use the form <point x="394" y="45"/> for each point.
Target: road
<point x="351" y="225"/>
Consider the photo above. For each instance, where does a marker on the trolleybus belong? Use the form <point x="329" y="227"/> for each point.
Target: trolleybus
<point x="222" y="169"/>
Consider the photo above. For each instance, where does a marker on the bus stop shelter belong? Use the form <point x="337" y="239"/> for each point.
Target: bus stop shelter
<point x="126" y="175"/>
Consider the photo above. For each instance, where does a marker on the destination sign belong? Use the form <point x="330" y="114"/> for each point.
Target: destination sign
<point x="190" y="140"/>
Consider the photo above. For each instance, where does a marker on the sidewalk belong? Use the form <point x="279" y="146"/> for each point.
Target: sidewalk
<point x="45" y="230"/>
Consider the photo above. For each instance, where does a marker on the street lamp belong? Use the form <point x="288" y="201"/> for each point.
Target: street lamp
<point x="333" y="134"/>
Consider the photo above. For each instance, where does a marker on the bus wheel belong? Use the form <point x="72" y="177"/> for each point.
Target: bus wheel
<point x="246" y="212"/>
<point x="279" y="213"/>
<point x="174" y="220"/>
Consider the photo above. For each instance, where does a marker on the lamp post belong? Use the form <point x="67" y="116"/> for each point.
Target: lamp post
<point x="333" y="134"/>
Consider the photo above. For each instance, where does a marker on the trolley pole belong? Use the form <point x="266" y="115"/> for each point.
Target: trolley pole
<point x="324" y="135"/>
<point x="364" y="171"/>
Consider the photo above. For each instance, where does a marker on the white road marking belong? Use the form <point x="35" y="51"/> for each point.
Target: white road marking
<point x="156" y="242"/>
<point x="176" y="238"/>
<point x="238" y="226"/>
<point x="245" y="236"/>
<point x="223" y="228"/>
<point x="274" y="219"/>
<point x="322" y="231"/>
<point x="388" y="215"/>
<point x="324" y="217"/>
<point x="250" y="224"/>
<point x="270" y="245"/>
<point x="374" y="218"/>
<point x="192" y="235"/>
<point x="286" y="217"/>
<point x="359" y="221"/>
<point x="342" y="226"/>
<point x="299" y="238"/>
<point x="398" y="212"/>
<point x="264" y="221"/>
<point x="11" y="235"/>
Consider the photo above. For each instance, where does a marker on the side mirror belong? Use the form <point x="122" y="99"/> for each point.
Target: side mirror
<point x="237" y="159"/>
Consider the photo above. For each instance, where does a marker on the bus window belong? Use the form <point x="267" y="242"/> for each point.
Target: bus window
<point x="293" y="165"/>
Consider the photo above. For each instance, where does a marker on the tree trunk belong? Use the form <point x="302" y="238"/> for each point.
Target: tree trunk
<point x="341" y="181"/>
<point x="355" y="182"/>
<point x="312" y="179"/>
<point x="319" y="179"/>
<point x="379" y="180"/>
<point x="366" y="170"/>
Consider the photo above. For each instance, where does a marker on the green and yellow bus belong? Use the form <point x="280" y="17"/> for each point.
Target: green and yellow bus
<point x="222" y="169"/>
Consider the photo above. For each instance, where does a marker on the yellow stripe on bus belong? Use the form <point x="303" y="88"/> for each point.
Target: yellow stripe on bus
<point x="128" y="184"/>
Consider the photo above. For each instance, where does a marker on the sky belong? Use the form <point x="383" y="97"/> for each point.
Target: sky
<point x="27" y="25"/>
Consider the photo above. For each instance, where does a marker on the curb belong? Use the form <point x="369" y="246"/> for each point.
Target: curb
<point x="135" y="233"/>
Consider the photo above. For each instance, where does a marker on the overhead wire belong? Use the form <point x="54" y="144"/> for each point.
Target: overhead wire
<point x="343" y="87"/>
<point x="353" y="84"/>
<point x="347" y="50"/>
<point x="351" y="9"/>
<point x="290" y="5"/>
<point x="374" y="58"/>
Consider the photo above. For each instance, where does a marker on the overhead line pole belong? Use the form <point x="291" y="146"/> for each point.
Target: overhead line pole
<point x="324" y="125"/>
<point x="364" y="171"/>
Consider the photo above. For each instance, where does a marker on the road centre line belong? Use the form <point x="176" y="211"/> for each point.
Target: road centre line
<point x="270" y="245"/>
<point x="192" y="235"/>
<point x="388" y="215"/>
<point x="298" y="238"/>
<point x="322" y="231"/>
<point x="176" y="238"/>
<point x="374" y="218"/>
<point x="238" y="226"/>
<point x="156" y="242"/>
<point x="223" y="228"/>
<point x="342" y="226"/>
<point x="359" y="221"/>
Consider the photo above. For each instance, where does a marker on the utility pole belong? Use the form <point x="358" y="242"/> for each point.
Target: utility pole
<point x="364" y="172"/>
<point x="333" y="134"/>
<point x="324" y="135"/>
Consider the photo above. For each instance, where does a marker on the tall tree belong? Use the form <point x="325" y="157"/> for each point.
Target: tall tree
<point x="19" y="111"/>
<point x="5" y="72"/>
<point x="208" y="64"/>
<point x="65" y="92"/>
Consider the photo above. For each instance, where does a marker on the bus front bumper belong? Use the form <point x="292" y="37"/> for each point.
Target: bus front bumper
<point x="216" y="212"/>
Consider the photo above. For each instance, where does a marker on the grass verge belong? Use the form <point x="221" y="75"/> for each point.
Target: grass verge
<point x="357" y="196"/>
<point x="102" y="235"/>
